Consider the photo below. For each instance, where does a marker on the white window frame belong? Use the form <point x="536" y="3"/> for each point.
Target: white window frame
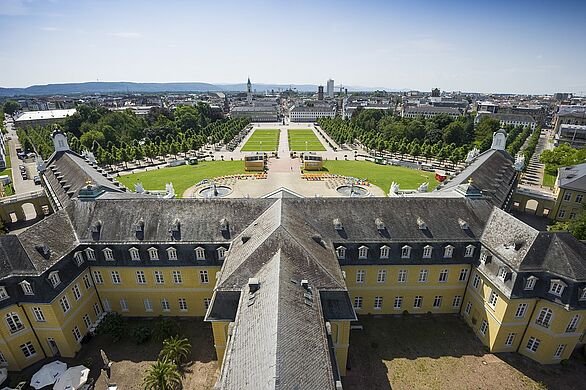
<point x="64" y="303"/>
<point x="378" y="303"/>
<point x="76" y="292"/>
<point x="583" y="295"/>
<point x="54" y="278"/>
<point x="406" y="252"/>
<point x="398" y="303"/>
<point x="140" y="277"/>
<point x="78" y="256"/>
<point x="99" y="279"/>
<point x="76" y="334"/>
<point x="502" y="273"/>
<point x="38" y="314"/>
<point x="90" y="254"/>
<point x="463" y="275"/>
<point x="148" y="305"/>
<point x="423" y="274"/>
<point x="123" y="304"/>
<point x="200" y="253"/>
<point x="165" y="306"/>
<point x="381" y="276"/>
<point x="427" y="251"/>
<point x="363" y="252"/>
<point x="153" y="254"/>
<point x="545" y="317"/>
<point x="116" y="279"/>
<point x="457" y="301"/>
<point x="402" y="276"/>
<point x="533" y="344"/>
<point x="107" y="305"/>
<point x="469" y="251"/>
<point x="13" y="322"/>
<point x="483" y="327"/>
<point x="573" y="324"/>
<point x="28" y="350"/>
<point x="559" y="351"/>
<point x="182" y="304"/>
<point x="204" y="277"/>
<point x="27" y="288"/>
<point x="87" y="321"/>
<point x="567" y="196"/>
<point x="476" y="281"/>
<point x="418" y="302"/>
<point x="177" y="278"/>
<point x="159" y="277"/>
<point x="384" y="251"/>
<point x="437" y="301"/>
<point x="87" y="281"/>
<point x="108" y="254"/>
<point x="360" y="275"/>
<point x="468" y="308"/>
<point x="443" y="275"/>
<point x="557" y="287"/>
<point x="521" y="310"/>
<point x="448" y="251"/>
<point x="221" y="253"/>
<point x="510" y="339"/>
<point x="3" y="293"/>
<point x="341" y="252"/>
<point x="134" y="254"/>
<point x="530" y="283"/>
<point x="493" y="299"/>
<point x="171" y="253"/>
<point x="206" y="303"/>
<point x="357" y="303"/>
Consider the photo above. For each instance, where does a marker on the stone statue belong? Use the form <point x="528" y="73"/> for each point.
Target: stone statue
<point x="170" y="191"/>
<point x="423" y="187"/>
<point x="394" y="189"/>
<point x="519" y="162"/>
<point x="138" y="188"/>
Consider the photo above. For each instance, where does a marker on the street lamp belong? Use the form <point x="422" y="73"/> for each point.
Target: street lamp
<point x="261" y="146"/>
<point x="306" y="146"/>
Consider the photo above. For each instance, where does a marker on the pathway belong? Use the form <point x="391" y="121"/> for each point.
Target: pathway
<point x="533" y="175"/>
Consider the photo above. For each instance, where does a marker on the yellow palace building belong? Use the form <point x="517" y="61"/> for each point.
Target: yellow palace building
<point x="281" y="278"/>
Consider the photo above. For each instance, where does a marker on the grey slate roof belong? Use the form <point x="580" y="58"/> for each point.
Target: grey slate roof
<point x="573" y="177"/>
<point x="492" y="172"/>
<point x="13" y="258"/>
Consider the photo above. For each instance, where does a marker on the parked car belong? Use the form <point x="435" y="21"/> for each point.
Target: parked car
<point x="37" y="180"/>
<point x="24" y="175"/>
<point x="22" y="168"/>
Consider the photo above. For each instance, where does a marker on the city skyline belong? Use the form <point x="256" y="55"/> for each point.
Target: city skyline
<point x="523" y="47"/>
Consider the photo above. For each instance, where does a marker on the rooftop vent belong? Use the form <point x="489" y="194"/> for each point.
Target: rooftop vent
<point x="463" y="224"/>
<point x="304" y="283"/>
<point x="380" y="224"/>
<point x="44" y="250"/>
<point x="253" y="285"/>
<point x="317" y="238"/>
<point x="223" y="225"/>
<point x="421" y="224"/>
<point x="338" y="224"/>
<point x="140" y="226"/>
<point x="96" y="227"/>
<point x="245" y="239"/>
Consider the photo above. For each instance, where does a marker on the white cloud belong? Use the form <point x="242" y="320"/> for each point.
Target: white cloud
<point x="126" y="34"/>
<point x="50" y="29"/>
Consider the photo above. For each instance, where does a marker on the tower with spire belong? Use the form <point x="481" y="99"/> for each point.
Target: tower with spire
<point x="249" y="92"/>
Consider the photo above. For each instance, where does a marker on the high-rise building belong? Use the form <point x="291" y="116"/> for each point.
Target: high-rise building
<point x="320" y="92"/>
<point x="330" y="88"/>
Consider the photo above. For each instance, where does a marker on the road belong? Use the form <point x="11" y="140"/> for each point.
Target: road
<point x="19" y="184"/>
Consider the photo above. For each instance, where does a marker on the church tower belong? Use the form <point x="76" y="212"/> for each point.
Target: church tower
<point x="249" y="92"/>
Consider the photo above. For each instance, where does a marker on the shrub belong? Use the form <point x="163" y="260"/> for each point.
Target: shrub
<point x="165" y="328"/>
<point x="113" y="325"/>
<point x="141" y="334"/>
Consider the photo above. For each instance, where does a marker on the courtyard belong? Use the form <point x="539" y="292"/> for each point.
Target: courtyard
<point x="262" y="140"/>
<point x="304" y="140"/>
<point x="442" y="352"/>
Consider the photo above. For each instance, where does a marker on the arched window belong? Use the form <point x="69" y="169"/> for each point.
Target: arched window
<point x="362" y="252"/>
<point x="221" y="253"/>
<point x="172" y="253"/>
<point x="448" y="251"/>
<point x="406" y="252"/>
<point x="14" y="322"/>
<point x="544" y="318"/>
<point x="427" y="251"/>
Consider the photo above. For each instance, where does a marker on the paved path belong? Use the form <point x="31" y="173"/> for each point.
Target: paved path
<point x="533" y="175"/>
<point x="19" y="184"/>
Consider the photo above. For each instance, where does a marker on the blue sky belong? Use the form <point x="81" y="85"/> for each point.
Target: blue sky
<point x="498" y="46"/>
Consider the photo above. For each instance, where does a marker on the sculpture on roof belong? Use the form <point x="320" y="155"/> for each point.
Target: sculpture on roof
<point x="394" y="189"/>
<point x="519" y="162"/>
<point x="423" y="187"/>
<point x="472" y="155"/>
<point x="170" y="191"/>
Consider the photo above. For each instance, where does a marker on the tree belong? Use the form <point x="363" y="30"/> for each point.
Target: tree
<point x="87" y="139"/>
<point x="11" y="107"/>
<point x="455" y="133"/>
<point x="175" y="349"/>
<point x="162" y="375"/>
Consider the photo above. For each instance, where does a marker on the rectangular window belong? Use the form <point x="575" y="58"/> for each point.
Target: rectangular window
<point x="177" y="277"/>
<point x="165" y="305"/>
<point x="483" y="327"/>
<point x="443" y="276"/>
<point x="98" y="277"/>
<point x="76" y="333"/>
<point x="159" y="279"/>
<point x="559" y="351"/>
<point x="87" y="321"/>
<point x="405" y="252"/>
<point x="76" y="292"/>
<point x="91" y="255"/>
<point x="38" y="313"/>
<point x="468" y="308"/>
<point x="422" y="276"/>
<point x="28" y="349"/>
<point x="384" y="252"/>
<point x="510" y="339"/>
<point x="427" y="251"/>
<point x="418" y="301"/>
<point x="398" y="303"/>
<point x="123" y="304"/>
<point x="2" y="358"/>
<point x="457" y="301"/>
<point x="64" y="304"/>
<point x="533" y="344"/>
<point x="362" y="252"/>
<point x="562" y="213"/>
<point x="3" y="293"/>
<point x="381" y="276"/>
<point x="86" y="281"/>
<point x="463" y="275"/>
<point x="206" y="303"/>
<point x="573" y="325"/>
<point x="579" y="198"/>
<point x="493" y="299"/>
<point x="97" y="309"/>
<point x="448" y="251"/>
<point x="148" y="306"/>
<point x="140" y="278"/>
<point x="115" y="277"/>
<point x="357" y="303"/>
<point x="567" y="196"/>
<point x="402" y="276"/>
<point x="378" y="303"/>
<point x="437" y="301"/>
<point x="469" y="251"/>
<point x="107" y="306"/>
<point x="182" y="304"/>
<point x="521" y="309"/>
<point x="476" y="281"/>
<point x="203" y="277"/>
<point x="360" y="276"/>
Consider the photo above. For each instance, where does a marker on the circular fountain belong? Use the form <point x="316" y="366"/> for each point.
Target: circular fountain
<point x="215" y="191"/>
<point x="352" y="190"/>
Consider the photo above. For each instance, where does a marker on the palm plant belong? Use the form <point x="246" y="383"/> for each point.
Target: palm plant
<point x="163" y="375"/>
<point x="175" y="349"/>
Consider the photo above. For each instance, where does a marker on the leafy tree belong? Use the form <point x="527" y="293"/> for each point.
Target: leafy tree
<point x="563" y="155"/>
<point x="87" y="139"/>
<point x="175" y="349"/>
<point x="11" y="107"/>
<point x="162" y="375"/>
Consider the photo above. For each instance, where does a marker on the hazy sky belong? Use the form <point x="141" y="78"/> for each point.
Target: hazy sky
<point x="530" y="46"/>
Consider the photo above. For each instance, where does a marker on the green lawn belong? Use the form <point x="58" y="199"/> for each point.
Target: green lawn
<point x="548" y="180"/>
<point x="268" y="137"/>
<point x="301" y="140"/>
<point x="8" y="190"/>
<point x="183" y="176"/>
<point x="382" y="175"/>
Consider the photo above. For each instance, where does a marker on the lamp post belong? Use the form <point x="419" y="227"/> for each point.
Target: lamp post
<point x="261" y="146"/>
<point x="306" y="146"/>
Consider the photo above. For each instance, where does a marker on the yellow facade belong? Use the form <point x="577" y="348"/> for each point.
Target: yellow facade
<point x="569" y="204"/>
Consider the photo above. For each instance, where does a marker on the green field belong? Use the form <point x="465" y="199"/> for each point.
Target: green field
<point x="301" y="140"/>
<point x="265" y="140"/>
<point x="382" y="175"/>
<point x="183" y="176"/>
<point x="548" y="180"/>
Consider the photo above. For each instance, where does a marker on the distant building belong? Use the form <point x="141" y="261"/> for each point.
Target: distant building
<point x="570" y="190"/>
<point x="562" y="96"/>
<point x="509" y="119"/>
<point x="42" y="118"/>
<point x="310" y="114"/>
<point x="256" y="113"/>
<point x="430" y="111"/>
<point x="320" y="92"/>
<point x="435" y="92"/>
<point x="574" y="135"/>
<point x="487" y="106"/>
<point x="569" y="115"/>
<point x="249" y="92"/>
<point x="330" y="88"/>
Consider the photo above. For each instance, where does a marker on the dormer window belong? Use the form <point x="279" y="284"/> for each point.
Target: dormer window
<point x="469" y="251"/>
<point x="140" y="226"/>
<point x="384" y="252"/>
<point x="200" y="253"/>
<point x="427" y="251"/>
<point x="134" y="254"/>
<point x="463" y="224"/>
<point x="54" y="278"/>
<point x="338" y="225"/>
<point x="96" y="227"/>
<point x="153" y="253"/>
<point x="448" y="251"/>
<point x="557" y="287"/>
<point x="175" y="230"/>
<point x="530" y="283"/>
<point x="224" y="225"/>
<point x="583" y="295"/>
<point x="341" y="252"/>
<point x="502" y="274"/>
<point x="221" y="253"/>
<point x="3" y="294"/>
<point x="26" y="287"/>
<point x="78" y="256"/>
<point x="406" y="252"/>
<point x="172" y="253"/>
<point x="108" y="254"/>
<point x="89" y="252"/>
<point x="421" y="225"/>
<point x="363" y="252"/>
<point x="380" y="225"/>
